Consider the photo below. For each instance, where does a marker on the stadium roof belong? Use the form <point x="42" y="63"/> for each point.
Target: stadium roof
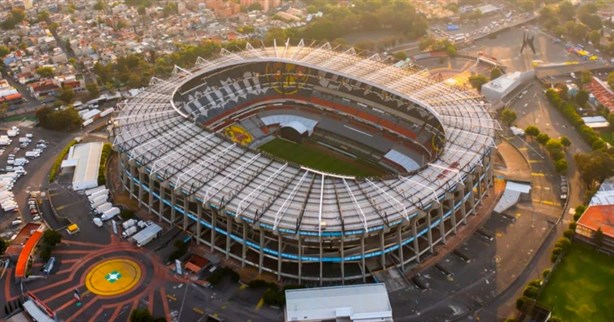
<point x="368" y="302"/>
<point x="165" y="141"/>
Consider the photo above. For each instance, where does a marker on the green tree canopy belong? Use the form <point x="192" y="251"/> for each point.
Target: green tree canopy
<point x="67" y="119"/>
<point x="508" y="116"/>
<point x="532" y="130"/>
<point x="582" y="97"/>
<point x="45" y="71"/>
<point x="4" y="50"/>
<point x="477" y="81"/>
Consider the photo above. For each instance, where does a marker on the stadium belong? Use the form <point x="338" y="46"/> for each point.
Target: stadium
<point x="308" y="162"/>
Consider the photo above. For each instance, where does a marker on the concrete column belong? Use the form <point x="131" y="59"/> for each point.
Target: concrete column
<point x="186" y="210"/>
<point x="150" y="199"/>
<point x="279" y="250"/>
<point x="342" y="254"/>
<point x="131" y="181"/>
<point x="364" y="266"/>
<point x="199" y="215"/>
<point x="261" y="259"/>
<point x="321" y="255"/>
<point x="429" y="231"/>
<point x="140" y="193"/>
<point x="162" y="204"/>
<point x="382" y="245"/>
<point x="173" y="203"/>
<point x="414" y="231"/>
<point x="400" y="241"/>
<point x="300" y="259"/>
<point x="244" y="249"/>
<point x="442" y="227"/>
<point x="228" y="232"/>
<point x="213" y="225"/>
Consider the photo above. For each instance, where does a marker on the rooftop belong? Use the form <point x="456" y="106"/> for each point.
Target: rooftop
<point x="356" y="302"/>
<point x="599" y="216"/>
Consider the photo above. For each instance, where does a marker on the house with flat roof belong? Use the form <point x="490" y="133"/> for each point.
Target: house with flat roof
<point x="85" y="159"/>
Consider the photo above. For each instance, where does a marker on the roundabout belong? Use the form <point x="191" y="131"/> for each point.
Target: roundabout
<point x="113" y="277"/>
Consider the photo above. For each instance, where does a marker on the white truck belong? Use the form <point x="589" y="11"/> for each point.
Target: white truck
<point x="99" y="203"/>
<point x="129" y="232"/>
<point x="97" y="200"/>
<point x="12" y="133"/>
<point x="24" y="139"/>
<point x="97" y="194"/>
<point x="89" y="192"/>
<point x="32" y="154"/>
<point x="20" y="162"/>
<point x="104" y="207"/>
<point x="146" y="235"/>
<point x="109" y="214"/>
<point x="4" y="140"/>
<point x="128" y="223"/>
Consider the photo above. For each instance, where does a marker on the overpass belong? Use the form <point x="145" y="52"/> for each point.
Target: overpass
<point x="566" y="68"/>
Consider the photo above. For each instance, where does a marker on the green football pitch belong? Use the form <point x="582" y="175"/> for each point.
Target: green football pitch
<point x="317" y="157"/>
<point x="581" y="287"/>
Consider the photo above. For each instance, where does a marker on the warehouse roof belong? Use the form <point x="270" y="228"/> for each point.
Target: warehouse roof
<point x="86" y="160"/>
<point x="356" y="302"/>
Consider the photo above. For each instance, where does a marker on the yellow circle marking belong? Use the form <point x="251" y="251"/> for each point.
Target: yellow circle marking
<point x="113" y="277"/>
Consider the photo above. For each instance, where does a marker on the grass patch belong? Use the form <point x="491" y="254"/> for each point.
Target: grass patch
<point x="102" y="170"/>
<point x="58" y="160"/>
<point x="320" y="158"/>
<point x="608" y="137"/>
<point x="580" y="288"/>
<point x="19" y="118"/>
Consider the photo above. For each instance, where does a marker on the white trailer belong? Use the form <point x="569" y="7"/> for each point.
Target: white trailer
<point x="104" y="207"/>
<point x="24" y="139"/>
<point x="107" y="112"/>
<point x="89" y="192"/>
<point x="128" y="223"/>
<point x="12" y="133"/>
<point x="129" y="231"/>
<point x="146" y="235"/>
<point x="110" y="213"/>
<point x="99" y="203"/>
<point x="4" y="140"/>
<point x="97" y="194"/>
<point x="99" y="200"/>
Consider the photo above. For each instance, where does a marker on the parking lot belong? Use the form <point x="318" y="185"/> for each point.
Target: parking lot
<point x="25" y="158"/>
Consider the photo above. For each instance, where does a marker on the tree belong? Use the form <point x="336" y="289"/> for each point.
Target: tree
<point x="586" y="76"/>
<point x="532" y="130"/>
<point x="598" y="237"/>
<point x="477" y="81"/>
<point x="51" y="237"/>
<point x="92" y="89"/>
<point x="99" y="5"/>
<point x="67" y="119"/>
<point x="508" y="116"/>
<point x="611" y="78"/>
<point x="561" y="166"/>
<point x="565" y="141"/>
<point x="4" y="50"/>
<point x="141" y="314"/>
<point x="543" y="138"/>
<point x="531" y="292"/>
<point x="566" y="11"/>
<point x="66" y="94"/>
<point x="594" y="37"/>
<point x="3" y="245"/>
<point x="495" y="73"/>
<point x="555" y="148"/>
<point x="582" y="97"/>
<point x="45" y="71"/>
<point x="579" y="211"/>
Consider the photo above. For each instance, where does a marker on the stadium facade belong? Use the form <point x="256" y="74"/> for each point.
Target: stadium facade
<point x="187" y="154"/>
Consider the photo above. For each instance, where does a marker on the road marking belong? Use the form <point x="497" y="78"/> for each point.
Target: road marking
<point x="170" y="297"/>
<point x="550" y="203"/>
<point x="260" y="304"/>
<point x="535" y="161"/>
<point x="538" y="174"/>
<point x="198" y="310"/>
<point x="523" y="148"/>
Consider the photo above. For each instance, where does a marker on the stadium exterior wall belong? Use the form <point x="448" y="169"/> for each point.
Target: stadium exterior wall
<point x="284" y="255"/>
